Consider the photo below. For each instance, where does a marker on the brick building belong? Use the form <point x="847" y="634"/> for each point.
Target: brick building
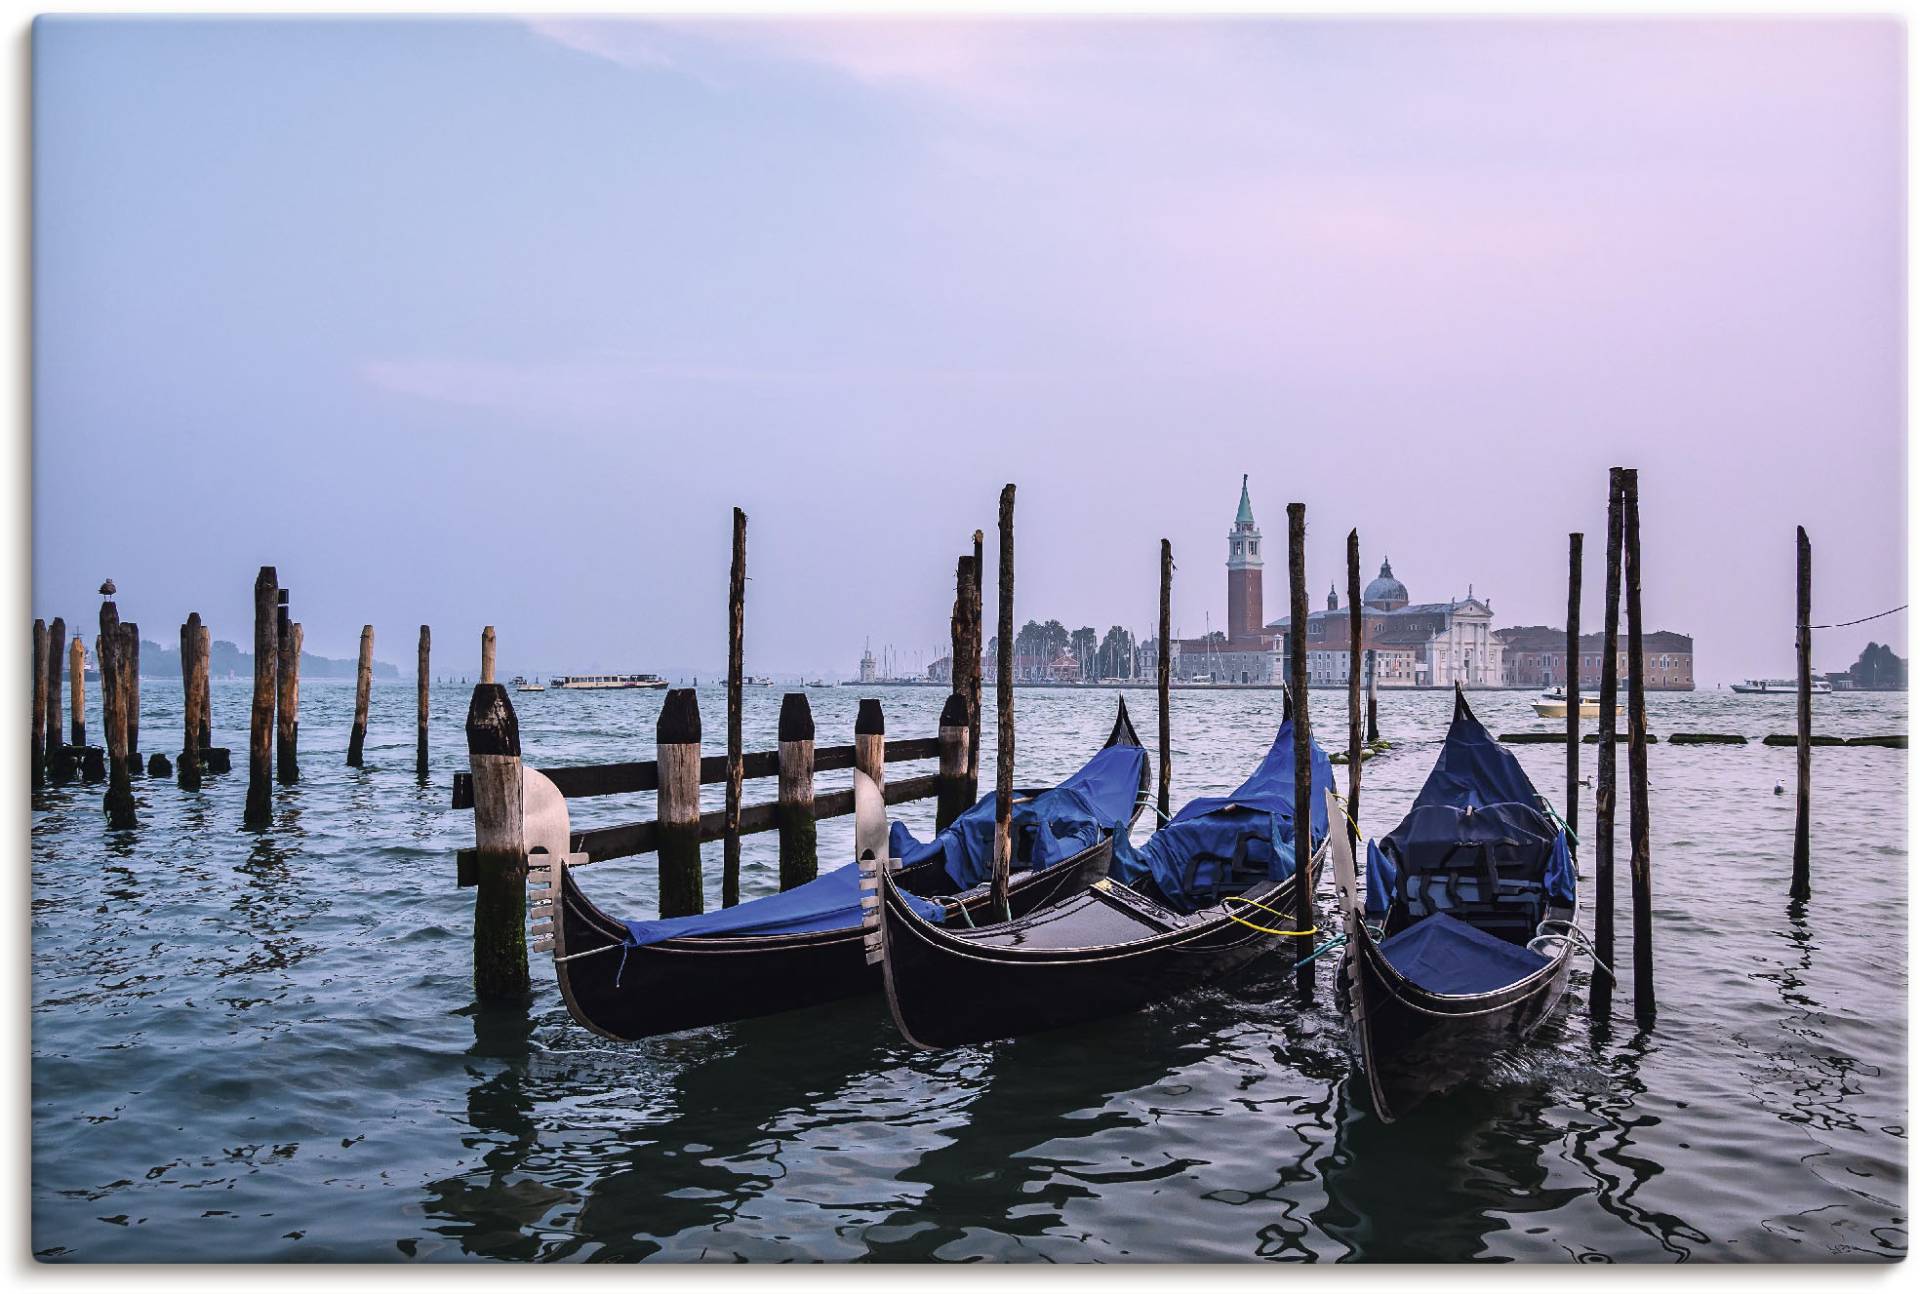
<point x="1536" y="656"/>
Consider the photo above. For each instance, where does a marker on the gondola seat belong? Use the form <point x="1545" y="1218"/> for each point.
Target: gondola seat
<point x="1488" y="867"/>
<point x="1443" y="955"/>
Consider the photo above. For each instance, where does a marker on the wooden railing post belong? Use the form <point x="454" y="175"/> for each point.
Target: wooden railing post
<point x="362" y="697"/>
<point x="954" y="797"/>
<point x="192" y="680"/>
<point x="425" y="678"/>
<point x="1803" y="744"/>
<point x="870" y="742"/>
<point x="677" y="752"/>
<point x="799" y="856"/>
<point x="37" y="766"/>
<point x="266" y="673"/>
<point x="499" y="833"/>
<point x="1303" y="905"/>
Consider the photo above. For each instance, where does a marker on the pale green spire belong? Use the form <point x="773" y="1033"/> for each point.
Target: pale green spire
<point x="1246" y="505"/>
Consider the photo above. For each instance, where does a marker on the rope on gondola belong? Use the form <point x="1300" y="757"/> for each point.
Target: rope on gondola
<point x="1568" y="934"/>
<point x="1862" y="620"/>
<point x="1265" y="930"/>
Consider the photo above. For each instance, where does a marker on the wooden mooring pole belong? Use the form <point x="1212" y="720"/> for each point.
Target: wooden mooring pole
<point x="56" y="657"/>
<point x="1575" y="541"/>
<point x="424" y="679"/>
<point x="362" y="698"/>
<point x="487" y="646"/>
<point x="38" y="758"/>
<point x="954" y="799"/>
<point x="499" y="829"/>
<point x="77" y="687"/>
<point x="799" y="853"/>
<point x="192" y="682"/>
<point x="870" y="743"/>
<point x="119" y="800"/>
<point x="288" y="679"/>
<point x="266" y="674"/>
<point x="1803" y="746"/>
<point x="976" y="618"/>
<point x="204" y="662"/>
<point x="1003" y="688"/>
<point x="1600" y="995"/>
<point x="1642" y="857"/>
<point x="677" y="752"/>
<point x="1164" y="681"/>
<point x="965" y="631"/>
<point x="129" y="685"/>
<point x="736" y="756"/>
<point x="1373" y="696"/>
<point x="1303" y="874"/>
<point x="1354" y="629"/>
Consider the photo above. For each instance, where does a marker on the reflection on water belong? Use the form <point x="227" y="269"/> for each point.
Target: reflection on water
<point x="262" y="1045"/>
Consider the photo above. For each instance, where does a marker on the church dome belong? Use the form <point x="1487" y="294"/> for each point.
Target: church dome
<point x="1385" y="593"/>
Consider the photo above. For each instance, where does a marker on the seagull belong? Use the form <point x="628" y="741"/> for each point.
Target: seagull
<point x="107" y="590"/>
<point x="1779" y="788"/>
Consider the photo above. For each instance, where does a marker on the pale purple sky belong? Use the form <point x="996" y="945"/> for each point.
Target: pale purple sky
<point x="474" y="322"/>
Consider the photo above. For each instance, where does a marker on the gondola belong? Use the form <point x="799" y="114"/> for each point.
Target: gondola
<point x="1210" y="892"/>
<point x="634" y="979"/>
<point x="1463" y="945"/>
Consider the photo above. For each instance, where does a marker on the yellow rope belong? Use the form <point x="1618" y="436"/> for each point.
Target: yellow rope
<point x="1265" y="930"/>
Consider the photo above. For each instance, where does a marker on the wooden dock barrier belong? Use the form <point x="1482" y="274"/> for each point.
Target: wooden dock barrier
<point x="425" y="678"/>
<point x="1303" y="905"/>
<point x="362" y="697"/>
<point x="77" y="687"/>
<point x="1705" y="739"/>
<point x="1003" y="690"/>
<point x="953" y="799"/>
<point x="736" y="666"/>
<point x="677" y="754"/>
<point x="266" y="669"/>
<point x="1575" y="542"/>
<point x="1644" y="1007"/>
<point x="1803" y="764"/>
<point x="500" y="847"/>
<point x="1163" y="676"/>
<point x="57" y="767"/>
<point x="799" y="851"/>
<point x="287" y="705"/>
<point x="119" y="799"/>
<point x="1600" y="995"/>
<point x="487" y="644"/>
<point x="191" y="681"/>
<point x="1356" y="754"/>
<point x="37" y="765"/>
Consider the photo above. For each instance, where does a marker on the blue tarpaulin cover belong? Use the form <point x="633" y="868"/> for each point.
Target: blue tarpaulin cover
<point x="1048" y="828"/>
<point x="1102" y="791"/>
<point x="1443" y="955"/>
<point x="1190" y="860"/>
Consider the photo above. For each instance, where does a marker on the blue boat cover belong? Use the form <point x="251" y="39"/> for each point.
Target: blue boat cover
<point x="830" y="902"/>
<point x="1443" y="955"/>
<point x="1060" y="822"/>
<point x="1474" y="770"/>
<point x="1219" y="845"/>
<point x="1048" y="828"/>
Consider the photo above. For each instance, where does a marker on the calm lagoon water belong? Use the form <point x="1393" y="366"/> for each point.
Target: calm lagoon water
<point x="262" y="1046"/>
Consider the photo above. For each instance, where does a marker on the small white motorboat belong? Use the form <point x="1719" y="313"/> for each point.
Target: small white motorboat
<point x="1553" y="705"/>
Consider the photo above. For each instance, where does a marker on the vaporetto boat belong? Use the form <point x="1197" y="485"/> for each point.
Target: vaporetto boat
<point x="590" y="682"/>
<point x="1782" y="685"/>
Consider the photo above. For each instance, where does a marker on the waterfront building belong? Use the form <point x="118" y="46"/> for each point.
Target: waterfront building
<point x="1536" y="656"/>
<point x="1415" y="644"/>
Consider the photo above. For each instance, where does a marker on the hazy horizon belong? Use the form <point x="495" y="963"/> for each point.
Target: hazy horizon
<point x="469" y="322"/>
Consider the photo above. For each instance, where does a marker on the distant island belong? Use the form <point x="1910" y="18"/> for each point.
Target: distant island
<point x="227" y="658"/>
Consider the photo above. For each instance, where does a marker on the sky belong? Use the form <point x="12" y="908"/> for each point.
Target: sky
<point x="470" y="322"/>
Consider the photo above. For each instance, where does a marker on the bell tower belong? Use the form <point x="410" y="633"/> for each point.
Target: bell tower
<point x="1245" y="575"/>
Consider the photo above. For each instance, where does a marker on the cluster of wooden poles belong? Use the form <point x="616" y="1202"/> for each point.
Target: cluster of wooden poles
<point x="274" y="724"/>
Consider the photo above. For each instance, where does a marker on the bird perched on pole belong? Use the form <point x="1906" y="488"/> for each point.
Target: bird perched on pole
<point x="107" y="590"/>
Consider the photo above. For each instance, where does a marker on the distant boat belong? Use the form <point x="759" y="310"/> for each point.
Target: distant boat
<point x="1786" y="685"/>
<point x="1553" y="705"/>
<point x="601" y="682"/>
<point x="818" y="683"/>
<point x="520" y="684"/>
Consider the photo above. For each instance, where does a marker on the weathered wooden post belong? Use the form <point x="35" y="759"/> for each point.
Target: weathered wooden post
<point x="1003" y="687"/>
<point x="870" y="743"/>
<point x="499" y="835"/>
<point x="486" y="654"/>
<point x="1600" y="996"/>
<point x="77" y="686"/>
<point x="1354" y="627"/>
<point x="128" y="685"/>
<point x="203" y="662"/>
<point x="362" y="697"/>
<point x="1373" y="696"/>
<point x="56" y="656"/>
<point x="1165" y="680"/>
<point x="288" y="682"/>
<point x="799" y="857"/>
<point x="38" y="757"/>
<point x="976" y="618"/>
<point x="736" y="667"/>
<point x="966" y="670"/>
<point x="266" y="674"/>
<point x="192" y="680"/>
<point x="1575" y="541"/>
<point x="1803" y="745"/>
<point x="119" y="801"/>
<point x="954" y="797"/>
<point x="1642" y="858"/>
<point x="1303" y="874"/>
<point x="420" y="743"/>
<point x="677" y="750"/>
